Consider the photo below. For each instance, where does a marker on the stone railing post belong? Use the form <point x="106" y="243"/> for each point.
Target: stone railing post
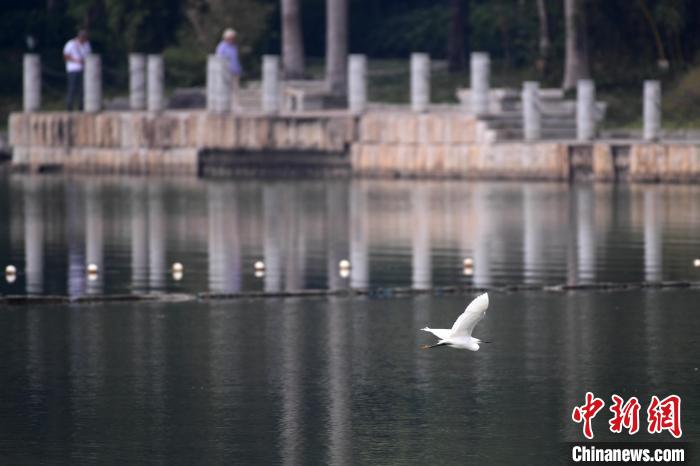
<point x="92" y="85"/>
<point x="585" y="110"/>
<point x="652" y="110"/>
<point x="137" y="81"/>
<point x="532" y="117"/>
<point x="156" y="101"/>
<point x="480" y="77"/>
<point x="270" y="84"/>
<point x="212" y="67"/>
<point x="357" y="83"/>
<point x="420" y="82"/>
<point x="31" y="82"/>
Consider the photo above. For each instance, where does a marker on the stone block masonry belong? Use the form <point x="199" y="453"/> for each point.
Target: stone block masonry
<point x="390" y="143"/>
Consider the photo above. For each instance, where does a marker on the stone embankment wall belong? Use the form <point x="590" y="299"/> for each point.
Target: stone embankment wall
<point x="449" y="145"/>
<point x="170" y="142"/>
<point x="376" y="143"/>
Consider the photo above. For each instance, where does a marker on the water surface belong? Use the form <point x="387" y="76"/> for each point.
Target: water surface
<point x="395" y="233"/>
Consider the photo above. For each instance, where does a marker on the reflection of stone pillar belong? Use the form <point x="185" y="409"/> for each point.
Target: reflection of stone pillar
<point x="224" y="243"/>
<point x="339" y="383"/>
<point x="483" y="217"/>
<point x="337" y="231"/>
<point x="531" y="110"/>
<point x="357" y="83"/>
<point x="94" y="236"/>
<point x="359" y="235"/>
<point x="585" y="233"/>
<point x="270" y="84"/>
<point x="137" y="81"/>
<point x="533" y="234"/>
<point x="420" y="239"/>
<point x="292" y="392"/>
<point x="75" y="239"/>
<point x="420" y="82"/>
<point x="273" y="228"/>
<point x="585" y="110"/>
<point x="652" y="110"/>
<point x="156" y="238"/>
<point x="480" y="71"/>
<point x="295" y="239"/>
<point x="139" y="237"/>
<point x="92" y="84"/>
<point x="156" y="75"/>
<point x="32" y="82"/>
<point x="34" y="237"/>
<point x="653" y="258"/>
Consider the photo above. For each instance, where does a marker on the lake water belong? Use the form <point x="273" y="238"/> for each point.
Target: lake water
<point x="395" y="234"/>
<point x="337" y="380"/>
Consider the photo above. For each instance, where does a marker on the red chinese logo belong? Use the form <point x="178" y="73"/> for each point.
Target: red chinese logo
<point x="624" y="415"/>
<point x="665" y="415"/>
<point x="661" y="415"/>
<point x="587" y="412"/>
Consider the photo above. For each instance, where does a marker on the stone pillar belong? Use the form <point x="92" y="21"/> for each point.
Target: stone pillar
<point x="32" y="82"/>
<point x="420" y="82"/>
<point x="212" y="64"/>
<point x="156" y="101"/>
<point x="652" y="110"/>
<point x="92" y="85"/>
<point x="270" y="84"/>
<point x="480" y="76"/>
<point x="357" y="83"/>
<point x="137" y="81"/>
<point x="585" y="110"/>
<point x="532" y="118"/>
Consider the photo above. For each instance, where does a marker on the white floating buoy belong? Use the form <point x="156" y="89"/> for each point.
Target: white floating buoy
<point x="92" y="269"/>
<point x="468" y="271"/>
<point x="259" y="265"/>
<point x="10" y="270"/>
<point x="344" y="264"/>
<point x="468" y="262"/>
<point x="10" y="277"/>
<point x="344" y="273"/>
<point x="177" y="275"/>
<point x="177" y="267"/>
<point x="696" y="262"/>
<point x="259" y="273"/>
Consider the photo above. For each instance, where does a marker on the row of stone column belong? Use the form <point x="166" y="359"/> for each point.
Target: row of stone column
<point x="586" y="110"/>
<point x="145" y="82"/>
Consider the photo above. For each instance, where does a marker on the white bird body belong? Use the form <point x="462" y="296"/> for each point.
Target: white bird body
<point x="460" y="335"/>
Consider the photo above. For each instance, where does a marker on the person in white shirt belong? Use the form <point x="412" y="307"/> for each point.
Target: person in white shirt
<point x="75" y="52"/>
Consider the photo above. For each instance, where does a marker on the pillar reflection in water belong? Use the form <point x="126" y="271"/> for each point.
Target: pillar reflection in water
<point x="290" y="384"/>
<point x="94" y="236"/>
<point x="359" y="234"/>
<point x="533" y="250"/>
<point x="273" y="236"/>
<point x="75" y="214"/>
<point x="483" y="241"/>
<point x="339" y="383"/>
<point x="156" y="238"/>
<point x="582" y="235"/>
<point x="420" y="239"/>
<point x="224" y="242"/>
<point x="139" y="236"/>
<point x="295" y="237"/>
<point x="337" y="224"/>
<point x="33" y="236"/>
<point x="652" y="235"/>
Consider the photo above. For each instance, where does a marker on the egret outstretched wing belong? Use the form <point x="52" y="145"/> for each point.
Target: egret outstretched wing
<point x="475" y="311"/>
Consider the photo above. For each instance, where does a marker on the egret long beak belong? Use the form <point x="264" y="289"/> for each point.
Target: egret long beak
<point x="433" y="346"/>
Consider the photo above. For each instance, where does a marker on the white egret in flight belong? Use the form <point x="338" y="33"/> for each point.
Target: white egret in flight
<point x="460" y="335"/>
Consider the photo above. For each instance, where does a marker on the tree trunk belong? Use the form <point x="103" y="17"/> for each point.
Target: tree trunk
<point x="543" y="44"/>
<point x="337" y="46"/>
<point x="576" y="66"/>
<point x="292" y="40"/>
<point x="457" y="43"/>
